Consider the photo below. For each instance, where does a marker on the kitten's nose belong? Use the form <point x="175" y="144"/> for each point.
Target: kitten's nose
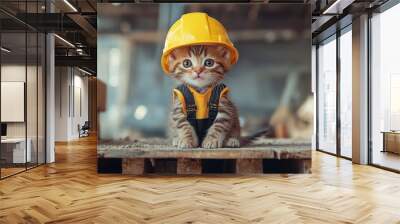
<point x="198" y="70"/>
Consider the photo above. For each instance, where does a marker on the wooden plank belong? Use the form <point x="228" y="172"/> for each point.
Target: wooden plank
<point x="188" y="166"/>
<point x="271" y="152"/>
<point x="133" y="166"/>
<point x="160" y="148"/>
<point x="249" y="166"/>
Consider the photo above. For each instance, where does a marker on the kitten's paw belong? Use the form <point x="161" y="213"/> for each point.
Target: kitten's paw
<point x="175" y="142"/>
<point x="233" y="142"/>
<point x="184" y="143"/>
<point x="211" y="142"/>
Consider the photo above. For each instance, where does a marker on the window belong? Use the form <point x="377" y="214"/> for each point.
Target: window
<point x="334" y="106"/>
<point x="346" y="92"/>
<point x="385" y="89"/>
<point x="22" y="88"/>
<point x="327" y="95"/>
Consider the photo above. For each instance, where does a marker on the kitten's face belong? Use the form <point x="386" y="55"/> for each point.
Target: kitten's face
<point x="200" y="65"/>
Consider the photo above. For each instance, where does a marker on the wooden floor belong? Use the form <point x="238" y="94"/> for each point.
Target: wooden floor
<point x="70" y="191"/>
<point x="10" y="171"/>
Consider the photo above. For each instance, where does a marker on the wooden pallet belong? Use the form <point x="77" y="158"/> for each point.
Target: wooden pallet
<point x="283" y="156"/>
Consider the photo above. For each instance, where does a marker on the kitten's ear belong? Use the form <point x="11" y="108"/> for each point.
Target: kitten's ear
<point x="171" y="60"/>
<point x="225" y="53"/>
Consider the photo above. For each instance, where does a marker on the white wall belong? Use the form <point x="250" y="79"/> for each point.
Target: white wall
<point x="62" y="81"/>
<point x="33" y="126"/>
<point x="71" y="102"/>
<point x="16" y="73"/>
<point x="13" y="100"/>
<point x="81" y="102"/>
<point x="12" y="73"/>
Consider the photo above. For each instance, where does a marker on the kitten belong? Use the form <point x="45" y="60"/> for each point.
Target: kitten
<point x="201" y="68"/>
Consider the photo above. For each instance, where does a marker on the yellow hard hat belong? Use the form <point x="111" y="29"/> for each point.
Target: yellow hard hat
<point x="193" y="29"/>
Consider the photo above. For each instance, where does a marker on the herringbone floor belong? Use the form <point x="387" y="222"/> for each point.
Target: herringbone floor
<point x="70" y="191"/>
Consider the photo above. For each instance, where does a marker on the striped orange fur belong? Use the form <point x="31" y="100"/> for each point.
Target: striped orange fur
<point x="203" y="67"/>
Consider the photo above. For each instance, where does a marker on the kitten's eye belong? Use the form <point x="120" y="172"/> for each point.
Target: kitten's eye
<point x="209" y="62"/>
<point x="187" y="63"/>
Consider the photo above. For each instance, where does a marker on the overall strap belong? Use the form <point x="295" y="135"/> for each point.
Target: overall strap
<point x="189" y="101"/>
<point x="214" y="101"/>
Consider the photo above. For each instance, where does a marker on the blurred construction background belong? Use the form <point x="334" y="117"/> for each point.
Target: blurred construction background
<point x="271" y="83"/>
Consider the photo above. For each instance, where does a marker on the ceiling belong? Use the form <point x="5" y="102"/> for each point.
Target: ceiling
<point x="74" y="21"/>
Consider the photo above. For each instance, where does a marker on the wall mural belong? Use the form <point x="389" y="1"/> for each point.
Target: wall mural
<point x="204" y="88"/>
